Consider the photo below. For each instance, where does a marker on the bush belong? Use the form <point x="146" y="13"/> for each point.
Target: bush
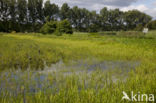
<point x="58" y="31"/>
<point x="13" y="32"/>
<point x="57" y="27"/>
<point x="139" y="27"/>
<point x="93" y="28"/>
<point x="65" y="27"/>
<point x="49" y="27"/>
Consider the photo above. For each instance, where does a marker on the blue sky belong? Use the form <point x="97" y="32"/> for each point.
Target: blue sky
<point x="147" y="6"/>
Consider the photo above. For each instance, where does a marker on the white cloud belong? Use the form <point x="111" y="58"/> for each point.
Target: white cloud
<point x="141" y="8"/>
<point x="151" y="12"/>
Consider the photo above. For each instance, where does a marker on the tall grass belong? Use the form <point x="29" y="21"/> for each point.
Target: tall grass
<point x="25" y="51"/>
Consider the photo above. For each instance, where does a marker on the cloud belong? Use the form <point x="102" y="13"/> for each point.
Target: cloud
<point x="95" y="4"/>
<point x="139" y="7"/>
<point x="123" y="5"/>
<point x="142" y="8"/>
<point x="92" y="2"/>
<point x="151" y="12"/>
<point x="154" y="3"/>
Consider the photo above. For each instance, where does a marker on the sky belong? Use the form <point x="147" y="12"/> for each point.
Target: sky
<point x="147" y="6"/>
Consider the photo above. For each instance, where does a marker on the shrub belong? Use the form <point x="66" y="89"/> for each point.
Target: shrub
<point x="93" y="28"/>
<point x="49" y="27"/>
<point x="58" y="31"/>
<point x="57" y="27"/>
<point x="65" y="27"/>
<point x="13" y="32"/>
<point x="139" y="27"/>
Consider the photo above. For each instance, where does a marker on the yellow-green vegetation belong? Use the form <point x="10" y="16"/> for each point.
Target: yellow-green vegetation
<point x="35" y="51"/>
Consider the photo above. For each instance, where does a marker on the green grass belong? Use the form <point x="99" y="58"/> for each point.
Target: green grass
<point x="34" y="51"/>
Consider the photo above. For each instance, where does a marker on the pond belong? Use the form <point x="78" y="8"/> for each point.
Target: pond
<point x="55" y="77"/>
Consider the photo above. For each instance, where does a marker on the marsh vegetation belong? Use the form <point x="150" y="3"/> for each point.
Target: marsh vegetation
<point x="78" y="68"/>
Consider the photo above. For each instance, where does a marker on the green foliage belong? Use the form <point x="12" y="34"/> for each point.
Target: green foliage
<point x="35" y="8"/>
<point x="29" y="15"/>
<point x="93" y="28"/>
<point x="22" y="10"/>
<point x="51" y="10"/>
<point x="65" y="11"/>
<point x="152" y="25"/>
<point x="65" y="27"/>
<point x="57" y="27"/>
<point x="58" y="31"/>
<point x="139" y="27"/>
<point x="134" y="18"/>
<point x="49" y="27"/>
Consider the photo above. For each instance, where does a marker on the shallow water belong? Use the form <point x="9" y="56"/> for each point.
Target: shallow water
<point x="34" y="81"/>
<point x="91" y="66"/>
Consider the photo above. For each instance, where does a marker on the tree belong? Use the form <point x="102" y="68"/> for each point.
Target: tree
<point x="104" y="18"/>
<point x="31" y="15"/>
<point x="12" y="10"/>
<point x="39" y="11"/>
<point x="152" y="25"/>
<point x="85" y="19"/>
<point x="51" y="11"/>
<point x="65" y="12"/>
<point x="35" y="14"/>
<point x="22" y="14"/>
<point x="76" y="18"/>
<point x="93" y="28"/>
<point x="32" y="11"/>
<point x="22" y="11"/>
<point x="4" y="15"/>
<point x="116" y="19"/>
<point x="134" y="18"/>
<point x="94" y="22"/>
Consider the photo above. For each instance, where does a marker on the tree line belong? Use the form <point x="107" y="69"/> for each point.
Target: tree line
<point x="31" y="15"/>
